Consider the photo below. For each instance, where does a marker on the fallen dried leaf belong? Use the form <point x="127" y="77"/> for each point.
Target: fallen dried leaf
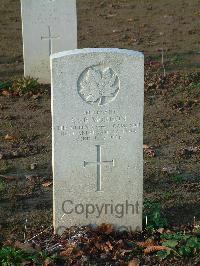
<point x="161" y="230"/>
<point x="98" y="245"/>
<point x="133" y="262"/>
<point x="6" y="93"/>
<point x="152" y="249"/>
<point x="111" y="15"/>
<point x="15" y="153"/>
<point x="36" y="96"/>
<point x="150" y="151"/>
<point x="147" y="243"/>
<point x="30" y="178"/>
<point x="24" y="246"/>
<point x="79" y="253"/>
<point x="22" y="195"/>
<point x="47" y="184"/>
<point x="145" y="146"/>
<point x="10" y="137"/>
<point x="67" y="252"/>
<point x="169" y="169"/>
<point x="33" y="166"/>
<point x="107" y="228"/>
<point x="10" y="178"/>
<point x="109" y="245"/>
<point x="48" y="262"/>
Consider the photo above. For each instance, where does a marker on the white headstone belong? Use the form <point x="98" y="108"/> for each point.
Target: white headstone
<point x="97" y="108"/>
<point x="48" y="26"/>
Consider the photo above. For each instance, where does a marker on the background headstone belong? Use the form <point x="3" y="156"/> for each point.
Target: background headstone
<point x="48" y="26"/>
<point x="97" y="108"/>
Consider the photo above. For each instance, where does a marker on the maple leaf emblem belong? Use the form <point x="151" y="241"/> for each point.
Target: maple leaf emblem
<point x="98" y="85"/>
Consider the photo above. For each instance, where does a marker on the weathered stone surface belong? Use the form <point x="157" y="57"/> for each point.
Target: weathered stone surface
<point x="97" y="108"/>
<point x="49" y="26"/>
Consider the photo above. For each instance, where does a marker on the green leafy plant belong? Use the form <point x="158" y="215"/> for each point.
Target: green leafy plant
<point x="177" y="178"/>
<point x="164" y="254"/>
<point x="155" y="216"/>
<point x="11" y="257"/>
<point x="24" y="85"/>
<point x="179" y="244"/>
<point x="191" y="247"/>
<point x="5" y="85"/>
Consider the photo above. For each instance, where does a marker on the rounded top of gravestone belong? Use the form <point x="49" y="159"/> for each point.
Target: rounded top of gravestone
<point x="98" y="50"/>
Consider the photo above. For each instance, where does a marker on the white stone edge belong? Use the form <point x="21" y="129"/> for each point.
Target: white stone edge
<point x="98" y="50"/>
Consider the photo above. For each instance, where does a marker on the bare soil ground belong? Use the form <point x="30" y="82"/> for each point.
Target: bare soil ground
<point x="145" y="25"/>
<point x="171" y="128"/>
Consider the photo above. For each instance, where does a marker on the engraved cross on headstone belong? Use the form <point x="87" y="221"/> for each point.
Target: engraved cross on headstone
<point x="50" y="39"/>
<point x="99" y="163"/>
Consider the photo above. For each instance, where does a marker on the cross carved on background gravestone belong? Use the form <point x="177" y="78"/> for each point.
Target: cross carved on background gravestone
<point x="50" y="38"/>
<point x="99" y="163"/>
<point x="48" y="26"/>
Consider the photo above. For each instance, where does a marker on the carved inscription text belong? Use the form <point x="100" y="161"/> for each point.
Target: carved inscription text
<point x="98" y="125"/>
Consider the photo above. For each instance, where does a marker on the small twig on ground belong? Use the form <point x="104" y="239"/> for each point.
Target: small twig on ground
<point x="25" y="229"/>
<point x="163" y="65"/>
<point x="45" y="230"/>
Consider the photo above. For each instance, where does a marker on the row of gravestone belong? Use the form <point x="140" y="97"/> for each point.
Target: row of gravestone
<point x="48" y="26"/>
<point x="97" y="112"/>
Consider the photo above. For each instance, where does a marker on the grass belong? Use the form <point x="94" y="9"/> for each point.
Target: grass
<point x="176" y="60"/>
<point x="4" y="167"/>
<point x="155" y="216"/>
<point x="2" y="186"/>
<point x="177" y="178"/>
<point x="10" y="256"/>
